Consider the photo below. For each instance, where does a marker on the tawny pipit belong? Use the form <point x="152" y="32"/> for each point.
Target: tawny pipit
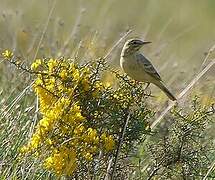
<point x="138" y="67"/>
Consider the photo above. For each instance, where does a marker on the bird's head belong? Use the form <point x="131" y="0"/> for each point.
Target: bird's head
<point x="133" y="45"/>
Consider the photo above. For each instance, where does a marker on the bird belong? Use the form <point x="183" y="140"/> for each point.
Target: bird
<point x="139" y="67"/>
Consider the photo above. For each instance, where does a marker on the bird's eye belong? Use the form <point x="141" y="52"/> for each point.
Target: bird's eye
<point x="134" y="43"/>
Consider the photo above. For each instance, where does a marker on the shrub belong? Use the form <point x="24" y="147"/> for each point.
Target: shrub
<point x="84" y="122"/>
<point x="185" y="149"/>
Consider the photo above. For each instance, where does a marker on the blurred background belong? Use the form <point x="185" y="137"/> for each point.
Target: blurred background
<point x="182" y="33"/>
<point x="183" y="43"/>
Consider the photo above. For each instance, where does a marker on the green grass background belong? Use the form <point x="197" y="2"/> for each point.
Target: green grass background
<point x="181" y="32"/>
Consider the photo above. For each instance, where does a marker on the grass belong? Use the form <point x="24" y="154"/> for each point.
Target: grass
<point x="182" y="50"/>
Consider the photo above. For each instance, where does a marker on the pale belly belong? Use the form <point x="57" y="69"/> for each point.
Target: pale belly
<point x="134" y="70"/>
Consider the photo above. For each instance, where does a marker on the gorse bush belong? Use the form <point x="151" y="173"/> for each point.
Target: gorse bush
<point x="184" y="150"/>
<point x="87" y="129"/>
<point x="83" y="121"/>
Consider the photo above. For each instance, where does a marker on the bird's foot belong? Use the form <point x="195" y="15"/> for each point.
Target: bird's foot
<point x="147" y="85"/>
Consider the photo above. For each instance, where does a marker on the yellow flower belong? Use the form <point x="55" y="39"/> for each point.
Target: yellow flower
<point x="35" y="141"/>
<point x="65" y="101"/>
<point x="63" y="74"/>
<point x="99" y="85"/>
<point x="38" y="81"/>
<point x="71" y="163"/>
<point x="66" y="130"/>
<point x="49" y="162"/>
<point x="78" y="117"/>
<point x="109" y="143"/>
<point x="71" y="67"/>
<point x="36" y="64"/>
<point x="63" y="161"/>
<point x="88" y="156"/>
<point x="93" y="149"/>
<point x="103" y="136"/>
<point x="24" y="149"/>
<point x="7" y="54"/>
<point x="75" y="109"/>
<point x="54" y="163"/>
<point x="52" y="64"/>
<point x="45" y="125"/>
<point x="76" y="75"/>
<point x="50" y="84"/>
<point x="79" y="129"/>
<point x="115" y="96"/>
<point x="91" y="136"/>
<point x="49" y="141"/>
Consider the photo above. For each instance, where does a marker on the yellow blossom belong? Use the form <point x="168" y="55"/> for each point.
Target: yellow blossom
<point x="88" y="156"/>
<point x="71" y="67"/>
<point x="79" y="129"/>
<point x="109" y="143"/>
<point x="62" y="162"/>
<point x="93" y="149"/>
<point x="24" y="149"/>
<point x="78" y="117"/>
<point x="66" y="130"/>
<point x="75" y="109"/>
<point x="35" y="141"/>
<point x="7" y="54"/>
<point x="49" y="141"/>
<point x="38" y="81"/>
<point x="103" y="136"/>
<point x="91" y="136"/>
<point x="45" y="124"/>
<point x="76" y="75"/>
<point x="63" y="74"/>
<point x="36" y="64"/>
<point x="52" y="64"/>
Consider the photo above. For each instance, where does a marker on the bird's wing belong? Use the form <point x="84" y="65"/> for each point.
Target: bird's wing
<point x="147" y="66"/>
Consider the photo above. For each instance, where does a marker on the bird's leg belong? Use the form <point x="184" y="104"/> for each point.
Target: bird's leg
<point x="147" y="85"/>
<point x="144" y="90"/>
<point x="135" y="84"/>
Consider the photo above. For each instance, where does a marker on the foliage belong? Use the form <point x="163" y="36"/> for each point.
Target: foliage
<point x="183" y="150"/>
<point x="181" y="33"/>
<point x="81" y="118"/>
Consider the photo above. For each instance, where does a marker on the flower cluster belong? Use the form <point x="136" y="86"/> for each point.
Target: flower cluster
<point x="64" y="131"/>
<point x="82" y="118"/>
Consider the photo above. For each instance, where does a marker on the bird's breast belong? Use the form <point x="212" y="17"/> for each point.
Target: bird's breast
<point x="133" y="69"/>
<point x="127" y="64"/>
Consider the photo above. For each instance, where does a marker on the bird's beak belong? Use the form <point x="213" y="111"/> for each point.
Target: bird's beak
<point x="146" y="42"/>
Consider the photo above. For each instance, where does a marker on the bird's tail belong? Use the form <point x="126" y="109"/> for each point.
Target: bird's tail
<point x="166" y="91"/>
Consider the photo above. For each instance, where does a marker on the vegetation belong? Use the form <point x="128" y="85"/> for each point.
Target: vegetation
<point x="68" y="112"/>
